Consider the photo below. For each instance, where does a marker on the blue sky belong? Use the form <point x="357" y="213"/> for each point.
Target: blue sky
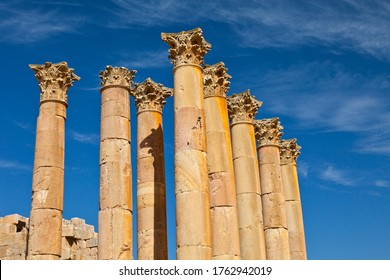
<point x="322" y="67"/>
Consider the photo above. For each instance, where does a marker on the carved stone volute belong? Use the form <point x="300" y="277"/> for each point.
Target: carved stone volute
<point x="215" y="80"/>
<point x="54" y="80"/>
<point x="150" y="96"/>
<point x="268" y="131"/>
<point x="117" y="76"/>
<point x="289" y="151"/>
<point x="242" y="107"/>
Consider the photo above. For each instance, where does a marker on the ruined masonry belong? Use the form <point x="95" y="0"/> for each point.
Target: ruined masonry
<point x="78" y="240"/>
<point x="236" y="181"/>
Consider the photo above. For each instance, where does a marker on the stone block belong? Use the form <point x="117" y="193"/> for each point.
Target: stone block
<point x="188" y="86"/>
<point x="7" y="228"/>
<point x="93" y="242"/>
<point x="115" y="185"/>
<point x="105" y="241"/>
<point x="269" y="155"/>
<point x="270" y="178"/>
<point x="274" y="210"/>
<point x="114" y="150"/>
<point x="195" y="252"/>
<point x="45" y="232"/>
<point x="150" y="169"/>
<point x="122" y="234"/>
<point x="193" y="219"/>
<point x="252" y="244"/>
<point x="243" y="140"/>
<point x="116" y="107"/>
<point x="247" y="177"/>
<point x="114" y="127"/>
<point x="219" y="152"/>
<point x="53" y="109"/>
<point x="48" y="188"/>
<point x="277" y="247"/>
<point x="216" y="115"/>
<point x="225" y="234"/>
<point x="222" y="189"/>
<point x="191" y="172"/>
<point x="190" y="129"/>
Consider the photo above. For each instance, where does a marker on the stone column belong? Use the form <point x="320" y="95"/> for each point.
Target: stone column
<point x="289" y="152"/>
<point x="48" y="175"/>
<point x="193" y="233"/>
<point x="223" y="205"/>
<point x="151" y="205"/>
<point x="242" y="109"/>
<point x="268" y="132"/>
<point x="115" y="215"/>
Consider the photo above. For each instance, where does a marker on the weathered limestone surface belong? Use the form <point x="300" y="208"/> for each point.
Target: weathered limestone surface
<point x="187" y="50"/>
<point x="48" y="175"/>
<point x="242" y="109"/>
<point x="151" y="203"/>
<point x="79" y="241"/>
<point x="223" y="205"/>
<point x="115" y="215"/>
<point x="268" y="132"/>
<point x="289" y="151"/>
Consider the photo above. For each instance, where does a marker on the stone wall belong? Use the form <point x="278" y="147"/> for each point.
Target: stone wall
<point x="79" y="240"/>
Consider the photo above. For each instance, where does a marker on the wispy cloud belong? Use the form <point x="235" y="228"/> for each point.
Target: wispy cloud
<point x="15" y="165"/>
<point x="303" y="169"/>
<point x="382" y="184"/>
<point x="337" y="176"/>
<point x="86" y="138"/>
<point x="21" y="22"/>
<point x="145" y="59"/>
<point x="358" y="25"/>
<point x="325" y="97"/>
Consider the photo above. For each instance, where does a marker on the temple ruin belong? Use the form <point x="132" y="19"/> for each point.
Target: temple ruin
<point x="236" y="181"/>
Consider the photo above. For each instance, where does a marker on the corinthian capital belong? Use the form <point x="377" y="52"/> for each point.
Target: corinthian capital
<point x="117" y="76"/>
<point x="186" y="47"/>
<point x="268" y="131"/>
<point x="215" y="80"/>
<point x="150" y="96"/>
<point x="289" y="151"/>
<point x="54" y="80"/>
<point x="242" y="107"/>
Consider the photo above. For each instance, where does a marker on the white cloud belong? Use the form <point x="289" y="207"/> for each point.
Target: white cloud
<point x="325" y="97"/>
<point x="86" y="138"/>
<point x="337" y="176"/>
<point x="145" y="59"/>
<point x="382" y="184"/>
<point x="358" y="25"/>
<point x="10" y="164"/>
<point x="22" y="23"/>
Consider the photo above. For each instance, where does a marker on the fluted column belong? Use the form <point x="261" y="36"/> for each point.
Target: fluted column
<point x="193" y="234"/>
<point x="115" y="215"/>
<point x="289" y="152"/>
<point x="151" y="204"/>
<point x="48" y="175"/>
<point x="223" y="205"/>
<point x="242" y="108"/>
<point x="268" y="132"/>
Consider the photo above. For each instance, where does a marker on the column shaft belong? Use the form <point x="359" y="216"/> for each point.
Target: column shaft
<point x="115" y="215"/>
<point x="272" y="195"/>
<point x="223" y="205"/>
<point x="193" y="233"/>
<point x="151" y="202"/>
<point x="242" y="108"/>
<point x="45" y="231"/>
<point x="288" y="153"/>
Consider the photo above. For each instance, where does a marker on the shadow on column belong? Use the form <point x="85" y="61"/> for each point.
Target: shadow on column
<point x="155" y="143"/>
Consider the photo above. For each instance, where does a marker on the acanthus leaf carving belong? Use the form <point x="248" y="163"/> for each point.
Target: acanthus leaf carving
<point x="242" y="107"/>
<point x="268" y="131"/>
<point x="186" y="47"/>
<point x="117" y="76"/>
<point x="150" y="95"/>
<point x="54" y="80"/>
<point x="289" y="151"/>
<point x="215" y="80"/>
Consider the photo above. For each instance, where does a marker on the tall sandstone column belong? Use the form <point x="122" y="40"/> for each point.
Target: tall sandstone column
<point x="193" y="233"/>
<point x="289" y="152"/>
<point x="223" y="205"/>
<point x="268" y="132"/>
<point x="48" y="175"/>
<point x="151" y="205"/>
<point x="242" y="109"/>
<point x="115" y="215"/>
